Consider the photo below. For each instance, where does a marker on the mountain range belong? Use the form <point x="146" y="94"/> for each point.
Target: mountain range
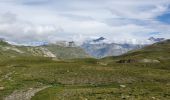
<point x="142" y="74"/>
<point x="97" y="48"/>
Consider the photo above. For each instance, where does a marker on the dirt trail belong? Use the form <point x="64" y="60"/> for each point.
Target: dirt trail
<point x="24" y="95"/>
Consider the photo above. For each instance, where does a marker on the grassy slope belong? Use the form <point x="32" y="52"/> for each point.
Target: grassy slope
<point x="156" y="51"/>
<point x="67" y="52"/>
<point x="90" y="79"/>
<point x="10" y="51"/>
<point x="7" y="50"/>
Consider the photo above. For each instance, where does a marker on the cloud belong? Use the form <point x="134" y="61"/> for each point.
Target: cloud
<point x="53" y="20"/>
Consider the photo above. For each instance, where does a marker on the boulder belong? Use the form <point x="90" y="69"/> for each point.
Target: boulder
<point x="149" y="61"/>
<point x="127" y="61"/>
<point x="2" y="88"/>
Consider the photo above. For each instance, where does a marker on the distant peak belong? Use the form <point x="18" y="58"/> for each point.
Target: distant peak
<point x="156" y="39"/>
<point x="151" y="38"/>
<point x="99" y="39"/>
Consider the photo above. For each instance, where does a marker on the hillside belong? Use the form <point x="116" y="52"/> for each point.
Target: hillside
<point x="39" y="78"/>
<point x="66" y="52"/>
<point x="156" y="56"/>
<point x="54" y="51"/>
<point x="158" y="51"/>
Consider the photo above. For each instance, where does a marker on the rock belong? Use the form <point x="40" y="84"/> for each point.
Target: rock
<point x="47" y="53"/>
<point x="123" y="97"/>
<point x="141" y="61"/>
<point x="122" y="86"/>
<point x="153" y="98"/>
<point x="101" y="63"/>
<point x="72" y="44"/>
<point x="156" y="61"/>
<point x="2" y="88"/>
<point x="24" y="94"/>
<point x="127" y="61"/>
<point x="149" y="61"/>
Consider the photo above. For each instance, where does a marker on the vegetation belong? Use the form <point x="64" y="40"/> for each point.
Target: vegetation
<point x="51" y="50"/>
<point x="90" y="79"/>
<point x="67" y="52"/>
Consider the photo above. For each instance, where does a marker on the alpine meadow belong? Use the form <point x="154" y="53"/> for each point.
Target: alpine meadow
<point x="84" y="50"/>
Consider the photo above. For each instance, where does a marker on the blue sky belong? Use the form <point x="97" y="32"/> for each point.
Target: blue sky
<point x="165" y="18"/>
<point x="78" y="20"/>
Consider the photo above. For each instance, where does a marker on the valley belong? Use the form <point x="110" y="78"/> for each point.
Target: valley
<point x="85" y="50"/>
<point x="87" y="78"/>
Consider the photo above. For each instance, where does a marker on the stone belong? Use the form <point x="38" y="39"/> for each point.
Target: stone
<point x="122" y="86"/>
<point x="2" y="88"/>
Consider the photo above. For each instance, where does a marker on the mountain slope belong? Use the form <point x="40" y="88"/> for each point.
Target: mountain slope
<point x="8" y="50"/>
<point x="158" y="50"/>
<point x="156" y="53"/>
<point x="108" y="49"/>
<point x="102" y="47"/>
<point x="88" y="79"/>
<point x="62" y="52"/>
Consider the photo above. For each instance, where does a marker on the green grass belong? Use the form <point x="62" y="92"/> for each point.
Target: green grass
<point x="137" y="91"/>
<point x="88" y="78"/>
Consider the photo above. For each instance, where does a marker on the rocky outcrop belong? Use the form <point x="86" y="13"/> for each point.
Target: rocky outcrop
<point x="127" y="61"/>
<point x="24" y="95"/>
<point x="149" y="61"/>
<point x="138" y="61"/>
<point x="47" y="53"/>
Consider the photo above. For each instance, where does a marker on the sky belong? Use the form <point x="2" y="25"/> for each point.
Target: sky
<point x="79" y="20"/>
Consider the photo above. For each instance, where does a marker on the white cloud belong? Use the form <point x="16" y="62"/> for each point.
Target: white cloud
<point x="52" y="20"/>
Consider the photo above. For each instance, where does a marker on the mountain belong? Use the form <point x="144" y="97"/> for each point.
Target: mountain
<point x="142" y="74"/>
<point x="99" y="39"/>
<point x="48" y="50"/>
<point x="159" y="50"/>
<point x="152" y="39"/>
<point x="37" y="43"/>
<point x="68" y="52"/>
<point x="99" y="48"/>
<point x="155" y="53"/>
